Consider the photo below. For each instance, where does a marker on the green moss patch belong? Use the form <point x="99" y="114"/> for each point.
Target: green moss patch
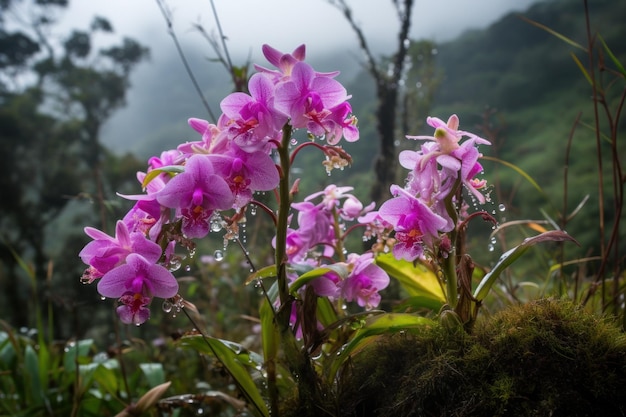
<point x="545" y="358"/>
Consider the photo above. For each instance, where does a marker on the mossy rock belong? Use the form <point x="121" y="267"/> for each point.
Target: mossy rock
<point x="545" y="358"/>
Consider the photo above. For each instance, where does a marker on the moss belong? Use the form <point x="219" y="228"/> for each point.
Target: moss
<point x="546" y="358"/>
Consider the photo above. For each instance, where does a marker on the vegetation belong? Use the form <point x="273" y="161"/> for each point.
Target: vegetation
<point x="542" y="358"/>
<point x="545" y="88"/>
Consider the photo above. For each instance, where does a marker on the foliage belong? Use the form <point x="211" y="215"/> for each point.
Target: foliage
<point x="546" y="357"/>
<point x="310" y="350"/>
<point x="55" y="97"/>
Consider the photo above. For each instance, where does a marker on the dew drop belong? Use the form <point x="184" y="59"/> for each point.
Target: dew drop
<point x="293" y="142"/>
<point x="501" y="207"/>
<point x="167" y="306"/>
<point x="103" y="298"/>
<point x="187" y="268"/>
<point x="218" y="255"/>
<point x="174" y="265"/>
<point x="216" y="226"/>
<point x="491" y="247"/>
<point x="253" y="210"/>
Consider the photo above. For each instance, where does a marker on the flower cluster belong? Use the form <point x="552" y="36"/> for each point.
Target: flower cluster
<point x="187" y="188"/>
<point x="428" y="206"/>
<point x="320" y="237"/>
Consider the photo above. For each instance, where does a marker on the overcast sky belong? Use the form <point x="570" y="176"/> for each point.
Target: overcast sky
<point x="248" y="24"/>
<point x="285" y="24"/>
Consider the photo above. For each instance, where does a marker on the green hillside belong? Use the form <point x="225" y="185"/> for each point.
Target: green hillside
<point x="530" y="79"/>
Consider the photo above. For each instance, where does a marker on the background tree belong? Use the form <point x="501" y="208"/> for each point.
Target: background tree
<point x="54" y="99"/>
<point x="387" y="77"/>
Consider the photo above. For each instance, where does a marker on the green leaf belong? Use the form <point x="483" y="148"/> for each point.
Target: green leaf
<point x="106" y="379"/>
<point x="326" y="313"/>
<point x="512" y="255"/>
<point x="582" y="69"/>
<point x="233" y="357"/>
<point x="43" y="355"/>
<point x="87" y="374"/>
<point x="7" y="350"/>
<point x="616" y="62"/>
<point x="555" y="33"/>
<point x="417" y="280"/>
<point x="418" y="302"/>
<point x="34" y="393"/>
<point x="76" y="352"/>
<point x="266" y="272"/>
<point x="340" y="269"/>
<point x="381" y="324"/>
<point x="519" y="171"/>
<point x="170" y="169"/>
<point x="154" y="373"/>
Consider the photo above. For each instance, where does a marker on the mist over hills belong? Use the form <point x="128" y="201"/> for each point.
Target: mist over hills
<point x="521" y="75"/>
<point x="163" y="97"/>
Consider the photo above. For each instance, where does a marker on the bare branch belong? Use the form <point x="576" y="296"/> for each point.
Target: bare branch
<point x="170" y="28"/>
<point x="371" y="61"/>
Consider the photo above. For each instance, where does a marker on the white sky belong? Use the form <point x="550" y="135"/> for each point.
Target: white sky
<point x="286" y="24"/>
<point x="248" y="24"/>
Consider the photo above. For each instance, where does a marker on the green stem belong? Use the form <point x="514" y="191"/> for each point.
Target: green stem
<point x="449" y="275"/>
<point x="281" y="318"/>
<point x="449" y="262"/>
<point x="284" y="204"/>
<point x="298" y="361"/>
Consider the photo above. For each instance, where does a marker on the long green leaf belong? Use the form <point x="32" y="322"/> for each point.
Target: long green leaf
<point x="518" y="170"/>
<point x="417" y="280"/>
<point x="616" y="61"/>
<point x="381" y="324"/>
<point x="512" y="255"/>
<point x="555" y="33"/>
<point x="34" y="393"/>
<point x="232" y="357"/>
<point x="154" y="373"/>
<point x="582" y="69"/>
<point x="170" y="169"/>
<point x="339" y="268"/>
<point x="266" y="272"/>
<point x="76" y="352"/>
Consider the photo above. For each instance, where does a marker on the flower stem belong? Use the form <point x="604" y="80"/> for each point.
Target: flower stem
<point x="284" y="204"/>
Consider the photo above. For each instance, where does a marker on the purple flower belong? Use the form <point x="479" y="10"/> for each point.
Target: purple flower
<point x="308" y="99"/>
<point x="415" y="223"/>
<point x="285" y="63"/>
<point x="246" y="172"/>
<point x="134" y="308"/>
<point x="252" y="118"/>
<point x="105" y="252"/>
<point x="135" y="283"/>
<point x="196" y="193"/>
<point x="364" y="281"/>
<point x="138" y="276"/>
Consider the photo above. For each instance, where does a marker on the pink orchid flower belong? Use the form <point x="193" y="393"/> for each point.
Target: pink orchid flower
<point x="135" y="283"/>
<point x="195" y="194"/>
